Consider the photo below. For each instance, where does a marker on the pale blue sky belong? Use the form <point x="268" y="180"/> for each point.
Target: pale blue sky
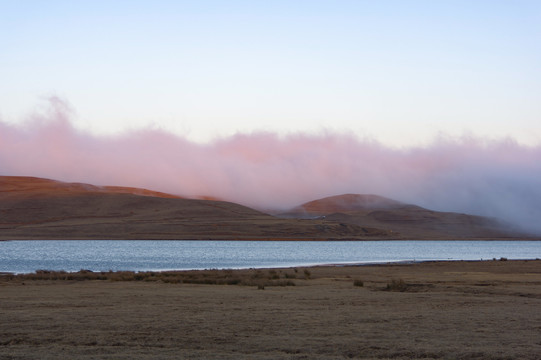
<point x="397" y="71"/>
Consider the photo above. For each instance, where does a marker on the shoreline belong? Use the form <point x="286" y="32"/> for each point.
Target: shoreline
<point x="254" y="268"/>
<point x="278" y="267"/>
<point x="283" y="268"/>
<point x="291" y="239"/>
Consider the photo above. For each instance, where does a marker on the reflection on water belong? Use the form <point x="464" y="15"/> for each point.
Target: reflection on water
<point x="138" y="255"/>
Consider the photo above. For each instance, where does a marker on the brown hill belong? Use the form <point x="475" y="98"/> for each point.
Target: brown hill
<point x="28" y="187"/>
<point x="35" y="208"/>
<point x="347" y="203"/>
<point x="406" y="221"/>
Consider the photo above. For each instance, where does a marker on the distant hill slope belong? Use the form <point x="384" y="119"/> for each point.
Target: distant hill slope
<point x="21" y="186"/>
<point x="345" y="203"/>
<point x="406" y="221"/>
<point x="35" y="208"/>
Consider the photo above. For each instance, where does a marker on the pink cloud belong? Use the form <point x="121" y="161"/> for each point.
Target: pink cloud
<point x="496" y="178"/>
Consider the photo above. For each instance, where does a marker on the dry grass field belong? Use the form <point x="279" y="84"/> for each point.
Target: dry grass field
<point x="439" y="310"/>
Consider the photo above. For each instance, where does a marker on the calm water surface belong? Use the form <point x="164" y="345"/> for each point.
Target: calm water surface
<point x="140" y="255"/>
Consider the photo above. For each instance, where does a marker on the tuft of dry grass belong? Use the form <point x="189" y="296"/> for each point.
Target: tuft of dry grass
<point x="397" y="285"/>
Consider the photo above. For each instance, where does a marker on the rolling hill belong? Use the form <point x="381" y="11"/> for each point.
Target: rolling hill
<point x="35" y="208"/>
<point x="406" y="221"/>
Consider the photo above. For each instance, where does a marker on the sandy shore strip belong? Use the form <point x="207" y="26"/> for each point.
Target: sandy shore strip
<point x="438" y="310"/>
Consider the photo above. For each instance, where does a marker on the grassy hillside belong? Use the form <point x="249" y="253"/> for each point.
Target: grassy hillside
<point x="34" y="208"/>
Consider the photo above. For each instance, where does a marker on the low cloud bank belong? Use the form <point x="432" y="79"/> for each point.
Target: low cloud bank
<point x="498" y="178"/>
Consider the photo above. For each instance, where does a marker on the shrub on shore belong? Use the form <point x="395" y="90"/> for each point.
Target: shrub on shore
<point x="397" y="285"/>
<point x="250" y="277"/>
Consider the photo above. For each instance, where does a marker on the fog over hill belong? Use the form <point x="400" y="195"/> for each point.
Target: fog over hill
<point x="489" y="177"/>
<point x="411" y="221"/>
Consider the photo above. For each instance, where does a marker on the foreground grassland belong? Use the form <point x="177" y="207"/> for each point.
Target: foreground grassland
<point x="440" y="310"/>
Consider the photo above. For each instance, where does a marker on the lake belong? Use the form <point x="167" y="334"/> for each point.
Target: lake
<point x="141" y="255"/>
